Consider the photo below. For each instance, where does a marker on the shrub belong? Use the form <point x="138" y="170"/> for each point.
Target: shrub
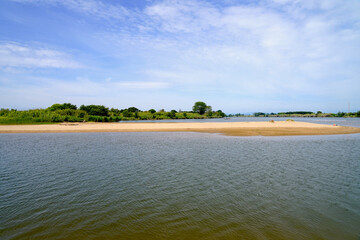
<point x="63" y="106"/>
<point x="96" y="110"/>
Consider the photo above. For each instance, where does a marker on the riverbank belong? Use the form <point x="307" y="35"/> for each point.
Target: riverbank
<point x="281" y="128"/>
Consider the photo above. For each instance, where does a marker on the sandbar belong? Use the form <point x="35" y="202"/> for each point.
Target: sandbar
<point x="277" y="128"/>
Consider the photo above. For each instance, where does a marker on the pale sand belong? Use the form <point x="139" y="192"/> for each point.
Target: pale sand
<point x="281" y="128"/>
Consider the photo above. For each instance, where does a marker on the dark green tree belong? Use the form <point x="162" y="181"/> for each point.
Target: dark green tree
<point x="152" y="111"/>
<point x="220" y="113"/>
<point x="258" y="114"/>
<point x="115" y="111"/>
<point x="133" y="109"/>
<point x="96" y="110"/>
<point x="126" y="113"/>
<point x="172" y="114"/>
<point x="200" y="107"/>
<point x="58" y="106"/>
<point x="341" y="114"/>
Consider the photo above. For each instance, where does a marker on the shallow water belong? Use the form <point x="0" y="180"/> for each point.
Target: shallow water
<point x="179" y="186"/>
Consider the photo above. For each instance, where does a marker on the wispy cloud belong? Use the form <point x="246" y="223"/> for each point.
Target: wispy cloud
<point x="31" y="92"/>
<point x="254" y="44"/>
<point x="183" y="16"/>
<point x="16" y="55"/>
<point x="90" y="7"/>
<point x="264" y="51"/>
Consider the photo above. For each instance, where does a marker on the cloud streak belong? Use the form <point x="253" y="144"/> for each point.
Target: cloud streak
<point x="273" y="50"/>
<point x="90" y="7"/>
<point x="16" y="55"/>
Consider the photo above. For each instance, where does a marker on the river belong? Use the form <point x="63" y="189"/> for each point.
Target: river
<point x="179" y="186"/>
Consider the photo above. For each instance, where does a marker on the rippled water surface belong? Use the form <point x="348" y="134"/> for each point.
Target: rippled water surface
<point x="179" y="186"/>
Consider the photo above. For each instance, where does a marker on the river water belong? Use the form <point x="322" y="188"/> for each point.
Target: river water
<point x="179" y="186"/>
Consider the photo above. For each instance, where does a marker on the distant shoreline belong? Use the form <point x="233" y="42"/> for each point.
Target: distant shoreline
<point x="277" y="128"/>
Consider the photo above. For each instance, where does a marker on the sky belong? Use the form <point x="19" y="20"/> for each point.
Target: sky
<point x="239" y="56"/>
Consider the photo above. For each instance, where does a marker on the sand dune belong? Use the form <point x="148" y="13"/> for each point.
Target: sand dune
<point x="280" y="128"/>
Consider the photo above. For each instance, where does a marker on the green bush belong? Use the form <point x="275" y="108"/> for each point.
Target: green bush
<point x="96" y="110"/>
<point x="94" y="113"/>
<point x="63" y="106"/>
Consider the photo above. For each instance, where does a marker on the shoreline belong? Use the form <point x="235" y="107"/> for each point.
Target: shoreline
<point x="277" y="128"/>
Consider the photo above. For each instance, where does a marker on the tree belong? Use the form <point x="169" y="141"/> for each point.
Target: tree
<point x="258" y="114"/>
<point x="200" y="107"/>
<point x="133" y="109"/>
<point x="220" y="113"/>
<point x="63" y="106"/>
<point x="172" y="114"/>
<point x="115" y="111"/>
<point x="152" y="111"/>
<point x="341" y="114"/>
<point x="126" y="113"/>
<point x="96" y="110"/>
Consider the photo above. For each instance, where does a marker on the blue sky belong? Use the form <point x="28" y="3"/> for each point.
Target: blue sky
<point x="238" y="56"/>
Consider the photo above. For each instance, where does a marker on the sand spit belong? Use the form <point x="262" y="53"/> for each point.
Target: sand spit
<point x="281" y="128"/>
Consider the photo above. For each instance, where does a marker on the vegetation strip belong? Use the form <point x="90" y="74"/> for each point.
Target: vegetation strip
<point x="68" y="112"/>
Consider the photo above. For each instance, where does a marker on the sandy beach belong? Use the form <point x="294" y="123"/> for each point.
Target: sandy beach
<point x="280" y="128"/>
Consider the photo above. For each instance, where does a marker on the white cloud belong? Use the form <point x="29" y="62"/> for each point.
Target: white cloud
<point x="15" y="55"/>
<point x="98" y="88"/>
<point x="91" y="7"/>
<point x="30" y="92"/>
<point x="184" y="16"/>
<point x="272" y="48"/>
<point x="311" y="4"/>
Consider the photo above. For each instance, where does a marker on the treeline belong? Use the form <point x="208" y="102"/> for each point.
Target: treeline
<point x="68" y="112"/>
<point x="307" y="114"/>
<point x="237" y="115"/>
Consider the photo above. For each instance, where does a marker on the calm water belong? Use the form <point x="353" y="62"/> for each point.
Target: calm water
<point x="179" y="186"/>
